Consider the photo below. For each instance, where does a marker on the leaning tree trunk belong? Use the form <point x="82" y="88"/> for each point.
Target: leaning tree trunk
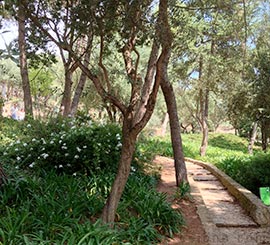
<point x="252" y="137"/>
<point x="128" y="148"/>
<point x="23" y="62"/>
<point x="77" y="95"/>
<point x="179" y="161"/>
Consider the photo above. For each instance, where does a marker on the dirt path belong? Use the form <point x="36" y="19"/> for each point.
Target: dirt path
<point x="193" y="233"/>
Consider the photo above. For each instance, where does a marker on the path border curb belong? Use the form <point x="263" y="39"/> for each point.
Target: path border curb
<point x="249" y="201"/>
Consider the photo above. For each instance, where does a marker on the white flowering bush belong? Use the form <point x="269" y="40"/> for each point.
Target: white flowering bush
<point x="74" y="148"/>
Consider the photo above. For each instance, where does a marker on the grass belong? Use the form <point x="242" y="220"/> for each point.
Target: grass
<point x="220" y="146"/>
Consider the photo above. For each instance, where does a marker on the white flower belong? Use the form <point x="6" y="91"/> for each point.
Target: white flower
<point x="31" y="149"/>
<point x="24" y="144"/>
<point x="18" y="158"/>
<point x="60" y="166"/>
<point x="66" y="154"/>
<point x="78" y="149"/>
<point x="16" y="149"/>
<point x="17" y="167"/>
<point x="64" y="147"/>
<point x="33" y="140"/>
<point x="5" y="153"/>
<point x="44" y="155"/>
<point x="18" y="141"/>
<point x="28" y="125"/>
<point x="52" y="142"/>
<point x="43" y="149"/>
<point x="69" y="165"/>
<point x="74" y="174"/>
<point x="32" y="165"/>
<point x="60" y="141"/>
<point x="84" y="147"/>
<point x="76" y="156"/>
<point x="119" y="145"/>
<point x="73" y="127"/>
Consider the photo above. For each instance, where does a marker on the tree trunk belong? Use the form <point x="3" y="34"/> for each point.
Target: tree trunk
<point x="204" y="120"/>
<point x="66" y="101"/>
<point x="23" y="62"/>
<point x="264" y="134"/>
<point x="179" y="161"/>
<point x="77" y="95"/>
<point x="164" y="124"/>
<point x="82" y="81"/>
<point x="252" y="137"/>
<point x="128" y="148"/>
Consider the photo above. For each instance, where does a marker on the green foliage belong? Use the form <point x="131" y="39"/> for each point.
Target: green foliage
<point x="41" y="80"/>
<point x="220" y="146"/>
<point x="40" y="206"/>
<point x="74" y="148"/>
<point x="183" y="191"/>
<point x="150" y="206"/>
<point x="252" y="172"/>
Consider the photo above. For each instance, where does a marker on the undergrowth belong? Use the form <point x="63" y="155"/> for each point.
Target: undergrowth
<point x="59" y="176"/>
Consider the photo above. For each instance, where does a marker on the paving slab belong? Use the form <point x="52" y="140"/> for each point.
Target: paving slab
<point x="204" y="178"/>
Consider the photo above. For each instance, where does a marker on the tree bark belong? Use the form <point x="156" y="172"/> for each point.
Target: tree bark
<point x="179" y="161"/>
<point x="80" y="86"/>
<point x="204" y="120"/>
<point x="128" y="148"/>
<point x="66" y="100"/>
<point x="264" y="129"/>
<point x="164" y="124"/>
<point x="252" y="137"/>
<point x="131" y="125"/>
<point x="27" y="98"/>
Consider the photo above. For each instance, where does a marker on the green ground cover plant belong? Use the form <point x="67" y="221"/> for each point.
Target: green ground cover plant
<point x="51" y="197"/>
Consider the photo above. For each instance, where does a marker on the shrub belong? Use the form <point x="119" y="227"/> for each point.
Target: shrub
<point x="79" y="149"/>
<point x="252" y="172"/>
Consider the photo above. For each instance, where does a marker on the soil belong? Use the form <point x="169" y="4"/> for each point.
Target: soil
<point x="193" y="232"/>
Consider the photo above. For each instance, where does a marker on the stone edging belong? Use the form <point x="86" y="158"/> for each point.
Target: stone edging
<point x="250" y="202"/>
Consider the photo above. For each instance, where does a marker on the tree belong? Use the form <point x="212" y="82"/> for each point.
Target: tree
<point x="23" y="60"/>
<point x="208" y="53"/>
<point x="127" y="23"/>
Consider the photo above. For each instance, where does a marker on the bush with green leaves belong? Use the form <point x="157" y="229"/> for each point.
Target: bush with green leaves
<point x="74" y="149"/>
<point x="252" y="172"/>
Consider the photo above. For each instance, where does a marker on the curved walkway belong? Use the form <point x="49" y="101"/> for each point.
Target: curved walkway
<point x="225" y="221"/>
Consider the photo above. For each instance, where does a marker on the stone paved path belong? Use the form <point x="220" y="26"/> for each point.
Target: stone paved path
<point x="224" y="219"/>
